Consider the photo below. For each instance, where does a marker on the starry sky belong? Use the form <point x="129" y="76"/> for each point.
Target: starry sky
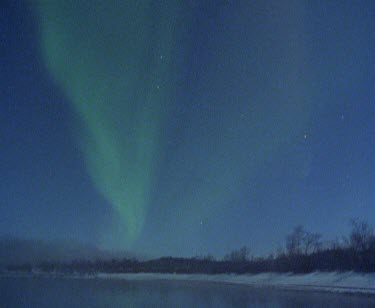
<point x="186" y="127"/>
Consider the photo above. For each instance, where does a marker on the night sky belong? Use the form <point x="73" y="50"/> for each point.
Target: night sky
<point x="186" y="128"/>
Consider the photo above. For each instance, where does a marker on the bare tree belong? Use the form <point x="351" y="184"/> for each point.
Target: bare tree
<point x="301" y="241"/>
<point x="239" y="255"/>
<point x="311" y="242"/>
<point x="361" y="236"/>
<point x="294" y="241"/>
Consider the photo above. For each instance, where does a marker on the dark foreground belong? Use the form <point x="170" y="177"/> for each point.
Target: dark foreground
<point x="39" y="291"/>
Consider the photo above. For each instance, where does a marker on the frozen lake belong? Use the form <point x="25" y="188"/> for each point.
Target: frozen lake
<point x="76" y="292"/>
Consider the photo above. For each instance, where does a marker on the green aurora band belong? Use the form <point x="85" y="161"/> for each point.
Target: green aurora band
<point x="112" y="62"/>
<point x="118" y="65"/>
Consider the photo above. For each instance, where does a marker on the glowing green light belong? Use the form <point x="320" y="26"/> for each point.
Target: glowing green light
<point x="111" y="62"/>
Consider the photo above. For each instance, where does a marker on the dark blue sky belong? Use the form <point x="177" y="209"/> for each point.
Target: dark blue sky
<point x="186" y="129"/>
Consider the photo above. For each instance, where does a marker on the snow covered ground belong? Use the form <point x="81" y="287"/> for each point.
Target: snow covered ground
<point x="346" y="282"/>
<point x="340" y="282"/>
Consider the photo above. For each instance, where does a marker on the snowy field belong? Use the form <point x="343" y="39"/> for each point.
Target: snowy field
<point x="346" y="282"/>
<point x="338" y="282"/>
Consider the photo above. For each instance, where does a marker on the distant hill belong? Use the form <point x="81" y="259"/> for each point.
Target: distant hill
<point x="18" y="251"/>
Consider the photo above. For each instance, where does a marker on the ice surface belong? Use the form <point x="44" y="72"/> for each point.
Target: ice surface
<point x="345" y="282"/>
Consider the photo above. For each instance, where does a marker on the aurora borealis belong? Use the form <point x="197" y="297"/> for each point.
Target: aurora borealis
<point x="111" y="62"/>
<point x="186" y="128"/>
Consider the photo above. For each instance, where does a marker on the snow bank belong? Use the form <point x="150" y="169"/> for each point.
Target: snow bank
<point x="342" y="282"/>
<point x="346" y="282"/>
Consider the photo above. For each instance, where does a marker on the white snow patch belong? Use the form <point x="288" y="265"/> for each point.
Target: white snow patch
<point x="341" y="282"/>
<point x="344" y="282"/>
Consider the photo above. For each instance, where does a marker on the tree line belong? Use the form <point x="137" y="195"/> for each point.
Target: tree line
<point x="304" y="252"/>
